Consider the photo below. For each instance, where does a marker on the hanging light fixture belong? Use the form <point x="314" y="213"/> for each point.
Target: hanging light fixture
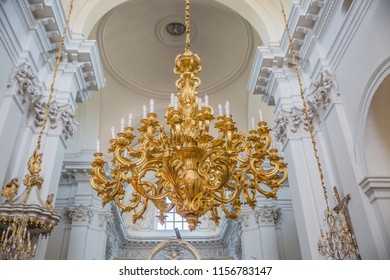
<point x="338" y="242"/>
<point x="195" y="172"/>
<point x="26" y="218"/>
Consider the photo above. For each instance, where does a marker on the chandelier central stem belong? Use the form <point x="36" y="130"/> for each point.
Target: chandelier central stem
<point x="187" y="23"/>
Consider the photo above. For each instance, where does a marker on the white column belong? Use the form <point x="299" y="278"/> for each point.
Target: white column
<point x="267" y="217"/>
<point x="304" y="181"/>
<point x="83" y="233"/>
<point x="79" y="217"/>
<point x="305" y="189"/>
<point x="250" y="240"/>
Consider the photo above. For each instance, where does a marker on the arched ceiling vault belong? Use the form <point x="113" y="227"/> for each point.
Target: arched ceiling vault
<point x="263" y="15"/>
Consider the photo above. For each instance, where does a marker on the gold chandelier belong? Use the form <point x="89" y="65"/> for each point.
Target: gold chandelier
<point x="26" y="218"/>
<point x="196" y="172"/>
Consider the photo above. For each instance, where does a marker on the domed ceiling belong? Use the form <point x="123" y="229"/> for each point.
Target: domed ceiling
<point x="138" y="51"/>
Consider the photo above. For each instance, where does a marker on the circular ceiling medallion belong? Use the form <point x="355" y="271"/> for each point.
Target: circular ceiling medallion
<point x="175" y="28"/>
<point x="168" y="39"/>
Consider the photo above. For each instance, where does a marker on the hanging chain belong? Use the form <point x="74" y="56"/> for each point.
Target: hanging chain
<point x="187" y="22"/>
<point x="58" y="60"/>
<point x="308" y="121"/>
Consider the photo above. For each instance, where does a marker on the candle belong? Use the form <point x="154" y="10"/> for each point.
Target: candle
<point x="34" y="250"/>
<point x="206" y="100"/>
<point x="253" y="123"/>
<point x="260" y="115"/>
<point x="144" y="112"/>
<point x="122" y="124"/>
<point x="227" y="109"/>
<point x="176" y="103"/>
<point x="172" y="99"/>
<point x="199" y="103"/>
<point x="151" y="105"/>
<point x="130" y="119"/>
<point x="98" y="145"/>
<point x="220" y="110"/>
<point x="112" y="132"/>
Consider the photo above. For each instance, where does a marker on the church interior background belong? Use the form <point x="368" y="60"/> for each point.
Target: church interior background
<point x="119" y="54"/>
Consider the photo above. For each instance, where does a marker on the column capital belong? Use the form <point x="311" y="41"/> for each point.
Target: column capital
<point x="78" y="215"/>
<point x="268" y="215"/>
<point x="324" y="94"/>
<point x="24" y="84"/>
<point x="61" y="117"/>
<point x="291" y="123"/>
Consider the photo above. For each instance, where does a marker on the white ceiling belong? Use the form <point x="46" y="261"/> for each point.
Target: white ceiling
<point x="137" y="50"/>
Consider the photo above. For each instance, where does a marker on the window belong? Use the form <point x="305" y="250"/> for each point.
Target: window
<point x="172" y="220"/>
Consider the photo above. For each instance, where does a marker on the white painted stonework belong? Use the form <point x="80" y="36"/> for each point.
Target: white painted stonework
<point x="344" y="61"/>
<point x="337" y="66"/>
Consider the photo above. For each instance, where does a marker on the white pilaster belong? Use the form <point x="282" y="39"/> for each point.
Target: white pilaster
<point x="251" y="245"/>
<point x="84" y="233"/>
<point x="267" y="217"/>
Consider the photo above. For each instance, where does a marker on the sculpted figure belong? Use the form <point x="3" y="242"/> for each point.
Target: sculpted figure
<point x="10" y="190"/>
<point x="34" y="163"/>
<point x="49" y="201"/>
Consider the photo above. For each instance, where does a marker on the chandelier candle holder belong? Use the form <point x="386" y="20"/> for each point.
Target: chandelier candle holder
<point x="26" y="218"/>
<point x="195" y="172"/>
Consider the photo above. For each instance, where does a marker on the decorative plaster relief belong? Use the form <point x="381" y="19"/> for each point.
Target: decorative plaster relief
<point x="30" y="94"/>
<point x="268" y="215"/>
<point x="57" y="114"/>
<point x="80" y="215"/>
<point x="27" y="90"/>
<point x="69" y="123"/>
<point x="325" y="92"/>
<point x="104" y="220"/>
<point x="291" y="123"/>
<point x="243" y="221"/>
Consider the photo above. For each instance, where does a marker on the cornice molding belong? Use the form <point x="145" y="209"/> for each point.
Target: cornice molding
<point x="45" y="20"/>
<point x="376" y="187"/>
<point x="302" y="20"/>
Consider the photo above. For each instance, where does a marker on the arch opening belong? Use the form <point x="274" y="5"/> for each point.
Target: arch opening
<point x="377" y="133"/>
